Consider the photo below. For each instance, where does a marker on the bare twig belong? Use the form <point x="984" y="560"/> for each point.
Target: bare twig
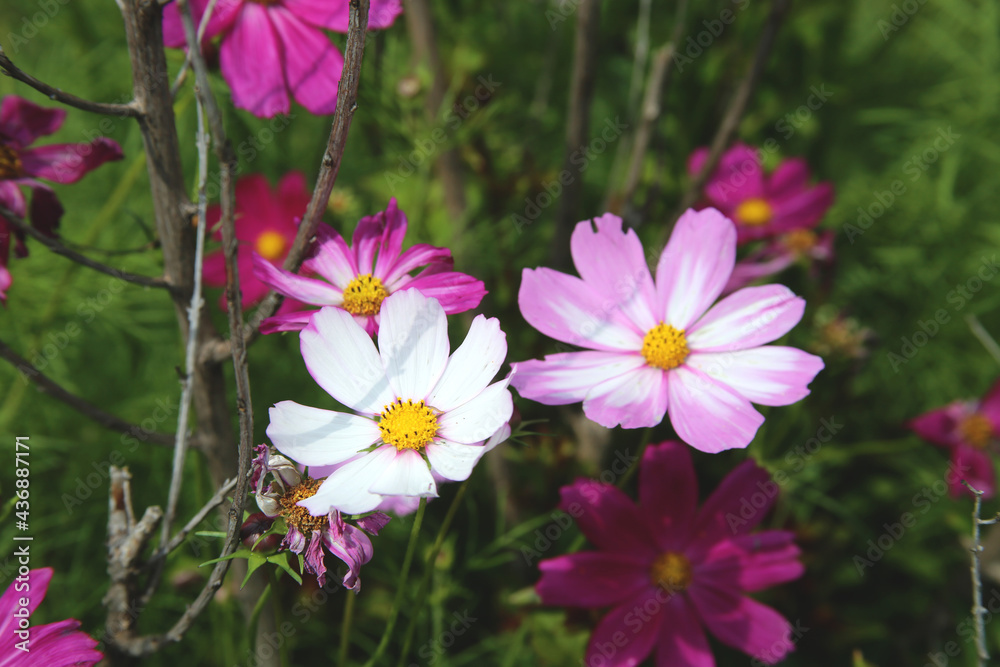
<point x="58" y="248"/>
<point x="978" y="610"/>
<point x="737" y="107"/>
<point x="577" y="125"/>
<point x="130" y="110"/>
<point x="178" y="539"/>
<point x="82" y="406"/>
<point x="346" y="105"/>
<point x="980" y="332"/>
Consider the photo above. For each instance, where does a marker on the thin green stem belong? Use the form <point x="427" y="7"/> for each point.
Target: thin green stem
<point x="428" y="571"/>
<point x="345" y="627"/>
<point x="255" y="617"/>
<point x="401" y="587"/>
<point x="272" y="583"/>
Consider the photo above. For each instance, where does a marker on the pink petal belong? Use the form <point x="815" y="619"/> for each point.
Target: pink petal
<point x="769" y="375"/>
<point x="457" y="292"/>
<point x="567" y="309"/>
<point x="747" y="271"/>
<point x="682" y="639"/>
<point x="306" y="290"/>
<point x="608" y="518"/>
<point x="222" y="18"/>
<point x="411" y="259"/>
<point x="406" y="474"/>
<point x="568" y="377"/>
<point x="213" y="269"/>
<point x="251" y="61"/>
<point x="5" y="282"/>
<point x="293" y="198"/>
<point x="788" y="179"/>
<point x="752" y="562"/>
<point x="392" y="238"/>
<point x="938" y="426"/>
<point x="68" y="163"/>
<point x="334" y="15"/>
<point x="989" y="407"/>
<point x="708" y="415"/>
<point x="738" y="504"/>
<point x="802" y="210"/>
<point x="257" y="208"/>
<point x="366" y="241"/>
<point x="38" y="584"/>
<point x="331" y="258"/>
<point x="46" y="211"/>
<point x="621" y="639"/>
<point x="313" y="65"/>
<point x="60" y="644"/>
<point x="591" y="579"/>
<point x="22" y="122"/>
<point x="288" y="322"/>
<point x="742" y="623"/>
<point x="668" y="493"/>
<point x="635" y="399"/>
<point x="748" y="318"/>
<point x="694" y="266"/>
<point x="738" y="177"/>
<point x="612" y="263"/>
<point x="975" y="467"/>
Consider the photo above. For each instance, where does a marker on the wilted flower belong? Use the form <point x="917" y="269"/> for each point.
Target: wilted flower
<point x="657" y="348"/>
<point x="669" y="570"/>
<point x="307" y="533"/>
<point x="802" y="246"/>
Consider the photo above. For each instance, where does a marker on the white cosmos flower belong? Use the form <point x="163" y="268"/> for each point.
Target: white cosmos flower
<point x="419" y="411"/>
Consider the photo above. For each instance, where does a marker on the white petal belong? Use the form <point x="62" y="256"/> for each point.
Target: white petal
<point x="452" y="460"/>
<point x="343" y="360"/>
<point x="348" y="489"/>
<point x="472" y="366"/>
<point x="413" y="342"/>
<point x="406" y="475"/>
<point x="312" y="436"/>
<point x="478" y="419"/>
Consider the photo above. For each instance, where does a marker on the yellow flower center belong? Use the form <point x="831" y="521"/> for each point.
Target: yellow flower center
<point x="976" y="430"/>
<point x="407" y="425"/>
<point x="297" y="516"/>
<point x="271" y="246"/>
<point x="672" y="571"/>
<point x="800" y="240"/>
<point x="364" y="295"/>
<point x="754" y="212"/>
<point x="665" y="347"/>
<point x="10" y="163"/>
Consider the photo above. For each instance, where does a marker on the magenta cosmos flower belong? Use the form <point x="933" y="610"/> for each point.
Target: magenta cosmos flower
<point x="307" y="533"/>
<point x="275" y="48"/>
<point x="669" y="570"/>
<point x="266" y="224"/>
<point x="360" y="277"/>
<point x="763" y="205"/>
<point x="419" y="411"/>
<point x="970" y="430"/>
<point x="58" y="644"/>
<point x="21" y="123"/>
<point x="661" y="347"/>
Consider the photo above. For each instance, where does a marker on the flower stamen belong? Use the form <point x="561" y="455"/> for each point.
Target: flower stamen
<point x="271" y="246"/>
<point x="297" y="516"/>
<point x="800" y="241"/>
<point x="976" y="430"/>
<point x="364" y="295"/>
<point x="754" y="212"/>
<point x="10" y="163"/>
<point x="672" y="571"/>
<point x="408" y="425"/>
<point x="665" y="347"/>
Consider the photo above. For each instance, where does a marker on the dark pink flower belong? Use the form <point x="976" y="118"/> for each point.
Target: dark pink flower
<point x="970" y="430"/>
<point x="275" y="48"/>
<point x="266" y="223"/>
<point x="669" y="570"/>
<point x="762" y="205"/>
<point x="799" y="245"/>
<point x="21" y="123"/>
<point x="58" y="644"/>
<point x="360" y="277"/>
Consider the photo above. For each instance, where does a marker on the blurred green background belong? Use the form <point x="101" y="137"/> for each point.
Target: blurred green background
<point x="891" y="90"/>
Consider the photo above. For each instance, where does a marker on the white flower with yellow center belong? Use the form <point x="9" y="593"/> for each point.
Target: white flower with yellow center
<point x="420" y="413"/>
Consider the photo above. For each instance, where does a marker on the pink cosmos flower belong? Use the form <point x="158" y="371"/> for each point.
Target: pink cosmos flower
<point x="799" y="245"/>
<point x="58" y="644"/>
<point x="763" y="205"/>
<point x="307" y="533"/>
<point x="419" y="410"/>
<point x="275" y="48"/>
<point x="360" y="277"/>
<point x="970" y="430"/>
<point x="654" y="348"/>
<point x="21" y="123"/>
<point x="669" y="570"/>
<point x="266" y="223"/>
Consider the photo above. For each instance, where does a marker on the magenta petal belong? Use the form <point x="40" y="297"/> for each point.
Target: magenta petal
<point x="635" y="399"/>
<point x="989" y="407"/>
<point x="608" y="518"/>
<point x="788" y="179"/>
<point x="737" y="505"/>
<point x="682" y="639"/>
<point x="413" y="258"/>
<point x="768" y="375"/>
<point x="335" y="15"/>
<point x="313" y="65"/>
<point x="707" y="414"/>
<point x="750" y="317"/>
<point x="258" y="82"/>
<point x="306" y="290"/>
<point x="457" y="292"/>
<point x="802" y="210"/>
<point x="742" y="623"/>
<point x="937" y="426"/>
<point x="374" y="522"/>
<point x="738" y="177"/>
<point x="5" y="282"/>
<point x="752" y="562"/>
<point x="332" y="258"/>
<point x="392" y="238"/>
<point x="67" y="163"/>
<point x="288" y="322"/>
<point x="668" y="493"/>
<point x="591" y="579"/>
<point x="568" y="377"/>
<point x="975" y="467"/>
<point x="351" y="546"/>
<point x="38" y="584"/>
<point x="60" y="644"/>
<point x="222" y="18"/>
<point x="22" y="122"/>
<point x="620" y="640"/>
<point x="46" y="211"/>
